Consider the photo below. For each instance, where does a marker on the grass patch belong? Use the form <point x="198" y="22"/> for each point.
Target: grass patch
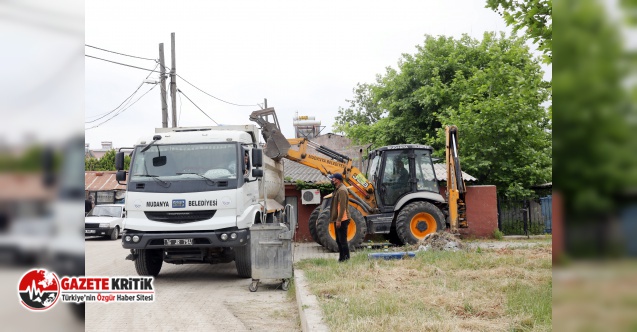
<point x="475" y="290"/>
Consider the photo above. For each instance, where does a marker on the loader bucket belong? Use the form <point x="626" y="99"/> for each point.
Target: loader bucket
<point x="277" y="145"/>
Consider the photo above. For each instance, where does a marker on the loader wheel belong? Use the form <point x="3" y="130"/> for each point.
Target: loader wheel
<point x="417" y="220"/>
<point x="312" y="224"/>
<point x="148" y="262"/>
<point x="327" y="233"/>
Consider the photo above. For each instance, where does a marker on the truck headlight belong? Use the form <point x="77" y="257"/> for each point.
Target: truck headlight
<point x="105" y="225"/>
<point x="224" y="236"/>
<point x="127" y="238"/>
<point x="233" y="236"/>
<point x="135" y="238"/>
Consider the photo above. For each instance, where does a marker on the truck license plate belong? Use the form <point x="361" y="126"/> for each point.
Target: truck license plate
<point x="178" y="242"/>
<point x="89" y="231"/>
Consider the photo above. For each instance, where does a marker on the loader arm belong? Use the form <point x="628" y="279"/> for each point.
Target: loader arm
<point x="456" y="189"/>
<point x="361" y="191"/>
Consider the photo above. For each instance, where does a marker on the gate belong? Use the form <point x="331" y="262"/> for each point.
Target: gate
<point x="524" y="216"/>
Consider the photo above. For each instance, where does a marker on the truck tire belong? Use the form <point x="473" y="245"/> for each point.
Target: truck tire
<point x="148" y="262"/>
<point x="243" y="261"/>
<point x="417" y="220"/>
<point x="355" y="232"/>
<point x="311" y="223"/>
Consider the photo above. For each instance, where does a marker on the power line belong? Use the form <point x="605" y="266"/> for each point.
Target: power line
<point x="197" y="107"/>
<point x="119" y="63"/>
<point x="118" y="106"/>
<point x="132" y="56"/>
<point x="101" y="116"/>
<point x="123" y="110"/>
<point x="227" y="102"/>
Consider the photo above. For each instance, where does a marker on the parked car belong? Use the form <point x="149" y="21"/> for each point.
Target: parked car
<point x="105" y="220"/>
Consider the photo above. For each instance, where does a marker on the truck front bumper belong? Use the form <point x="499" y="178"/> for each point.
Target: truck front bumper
<point x="209" y="239"/>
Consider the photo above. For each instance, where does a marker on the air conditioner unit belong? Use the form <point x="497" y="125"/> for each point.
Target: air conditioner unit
<point x="310" y="196"/>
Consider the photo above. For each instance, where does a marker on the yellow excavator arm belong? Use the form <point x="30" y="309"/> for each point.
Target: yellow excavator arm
<point x="456" y="189"/>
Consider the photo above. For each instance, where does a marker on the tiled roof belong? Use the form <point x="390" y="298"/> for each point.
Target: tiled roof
<point x="441" y="173"/>
<point x="101" y="180"/>
<point x="296" y="171"/>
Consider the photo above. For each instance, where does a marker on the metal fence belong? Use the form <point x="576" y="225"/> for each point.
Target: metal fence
<point x="526" y="216"/>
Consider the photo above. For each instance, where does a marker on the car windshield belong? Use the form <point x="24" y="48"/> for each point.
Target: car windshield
<point x="106" y="211"/>
<point x="178" y="162"/>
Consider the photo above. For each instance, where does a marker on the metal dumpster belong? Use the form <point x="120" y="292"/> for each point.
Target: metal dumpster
<point x="271" y="250"/>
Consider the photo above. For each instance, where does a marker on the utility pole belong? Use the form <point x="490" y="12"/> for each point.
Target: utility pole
<point x="173" y="79"/>
<point x="164" y="105"/>
<point x="265" y="102"/>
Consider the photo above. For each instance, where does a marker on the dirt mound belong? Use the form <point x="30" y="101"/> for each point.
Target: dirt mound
<point x="441" y="241"/>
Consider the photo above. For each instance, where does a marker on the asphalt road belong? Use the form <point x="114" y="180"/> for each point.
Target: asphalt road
<point x="194" y="297"/>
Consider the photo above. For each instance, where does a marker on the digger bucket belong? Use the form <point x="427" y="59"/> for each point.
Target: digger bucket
<point x="277" y="145"/>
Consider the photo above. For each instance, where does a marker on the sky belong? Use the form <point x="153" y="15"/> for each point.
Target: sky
<point x="302" y="56"/>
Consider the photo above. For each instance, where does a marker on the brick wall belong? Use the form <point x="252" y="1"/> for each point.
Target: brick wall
<point x="482" y="212"/>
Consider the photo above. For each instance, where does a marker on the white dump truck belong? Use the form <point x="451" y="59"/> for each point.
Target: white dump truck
<point x="193" y="193"/>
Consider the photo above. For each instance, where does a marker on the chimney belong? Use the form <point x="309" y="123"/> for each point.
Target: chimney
<point x="107" y="145"/>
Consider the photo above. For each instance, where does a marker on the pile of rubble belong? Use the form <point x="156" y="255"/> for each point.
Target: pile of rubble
<point x="441" y="242"/>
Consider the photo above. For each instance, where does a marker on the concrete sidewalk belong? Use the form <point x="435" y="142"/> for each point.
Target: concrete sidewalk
<point x="311" y="250"/>
<point x="309" y="309"/>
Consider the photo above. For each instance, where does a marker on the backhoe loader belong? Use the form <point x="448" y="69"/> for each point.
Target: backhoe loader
<point x="398" y="198"/>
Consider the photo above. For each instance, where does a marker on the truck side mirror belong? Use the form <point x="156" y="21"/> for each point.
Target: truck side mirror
<point x="257" y="173"/>
<point x="120" y="176"/>
<point x="257" y="158"/>
<point x="119" y="161"/>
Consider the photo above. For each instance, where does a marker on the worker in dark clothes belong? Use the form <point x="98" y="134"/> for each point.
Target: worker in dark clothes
<point x="88" y="205"/>
<point x="339" y="215"/>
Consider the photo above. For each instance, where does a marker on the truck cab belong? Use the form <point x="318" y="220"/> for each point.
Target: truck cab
<point x="192" y="195"/>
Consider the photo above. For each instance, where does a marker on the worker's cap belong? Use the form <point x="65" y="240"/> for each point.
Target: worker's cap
<point x="336" y="176"/>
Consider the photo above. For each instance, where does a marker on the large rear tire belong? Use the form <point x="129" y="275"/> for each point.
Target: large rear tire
<point x="311" y="223"/>
<point x="417" y="220"/>
<point x="243" y="261"/>
<point x="355" y="232"/>
<point x="149" y="261"/>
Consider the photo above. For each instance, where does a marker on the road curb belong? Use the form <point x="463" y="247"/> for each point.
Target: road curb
<point x="309" y="310"/>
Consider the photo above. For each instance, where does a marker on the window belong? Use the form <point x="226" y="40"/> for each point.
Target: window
<point x="425" y="175"/>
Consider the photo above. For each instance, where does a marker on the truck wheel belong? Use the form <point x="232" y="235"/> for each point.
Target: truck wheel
<point x="148" y="262"/>
<point x="312" y="223"/>
<point x="327" y="233"/>
<point x="243" y="261"/>
<point x="115" y="233"/>
<point x="417" y="220"/>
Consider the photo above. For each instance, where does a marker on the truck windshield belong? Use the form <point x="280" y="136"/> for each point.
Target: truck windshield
<point x="177" y="162"/>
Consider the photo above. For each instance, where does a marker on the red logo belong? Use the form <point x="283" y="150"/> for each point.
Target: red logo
<point x="39" y="289"/>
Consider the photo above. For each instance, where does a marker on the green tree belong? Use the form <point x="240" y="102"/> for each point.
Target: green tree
<point x="532" y="16"/>
<point x="106" y="163"/>
<point x="491" y="89"/>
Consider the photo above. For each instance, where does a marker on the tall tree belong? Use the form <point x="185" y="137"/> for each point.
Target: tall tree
<point x="491" y="89"/>
<point x="535" y="17"/>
